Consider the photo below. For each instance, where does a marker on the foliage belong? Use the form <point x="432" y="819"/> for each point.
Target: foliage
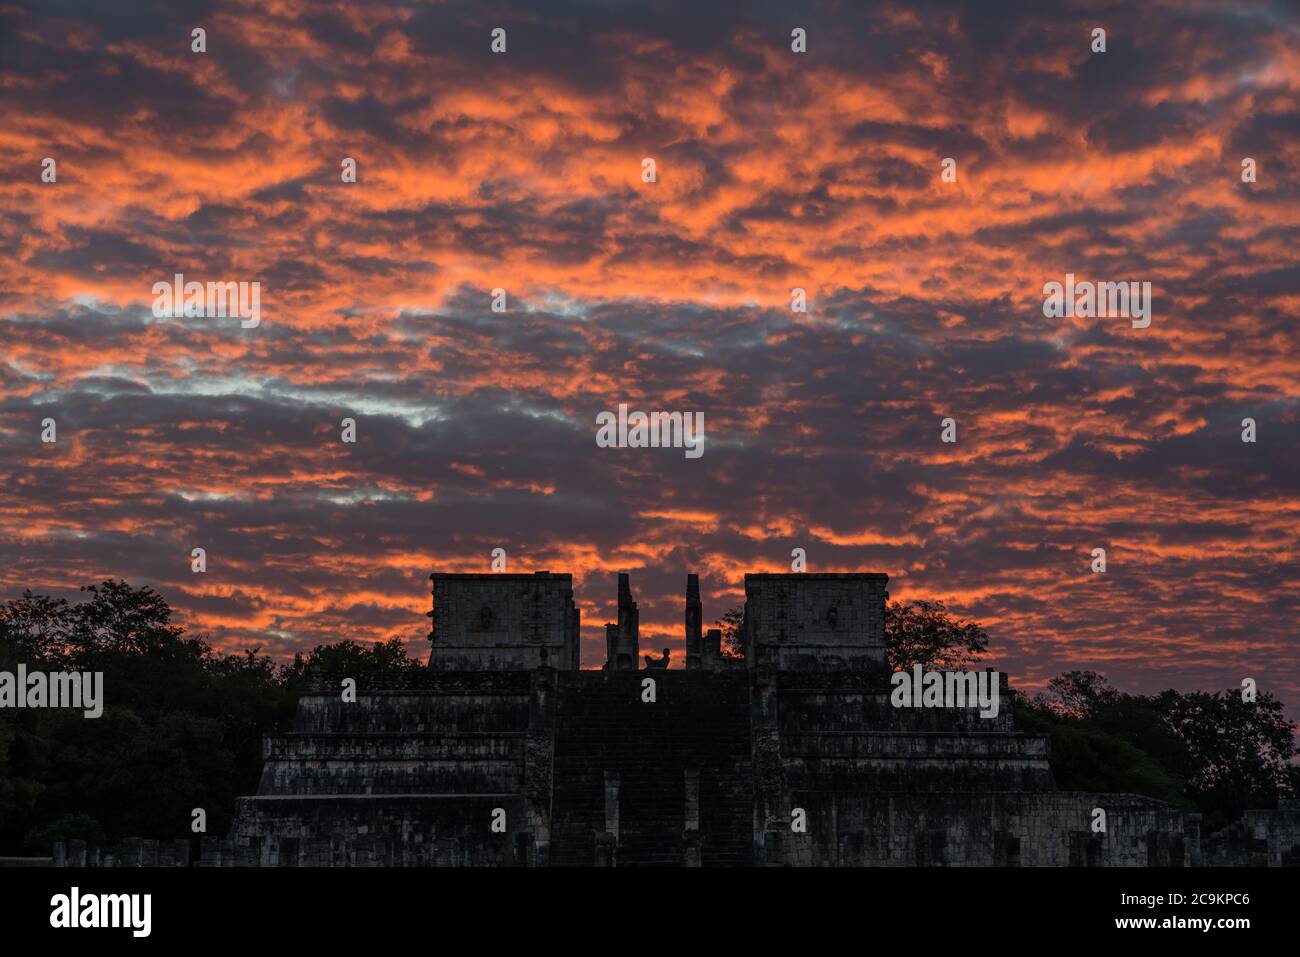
<point x="1210" y="751"/>
<point x="182" y="724"/>
<point x="925" y="633"/>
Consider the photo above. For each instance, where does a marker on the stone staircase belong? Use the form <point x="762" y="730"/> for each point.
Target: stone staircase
<point x="637" y="783"/>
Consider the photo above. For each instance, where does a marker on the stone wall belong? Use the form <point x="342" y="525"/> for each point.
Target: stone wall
<point x="1265" y="838"/>
<point x="415" y="771"/>
<point x="848" y="827"/>
<point x="500" y="622"/>
<point x="829" y="622"/>
<point x="407" y="830"/>
<point x="132" y="852"/>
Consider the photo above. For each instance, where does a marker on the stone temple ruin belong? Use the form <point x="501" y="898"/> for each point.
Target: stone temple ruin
<point x="503" y="752"/>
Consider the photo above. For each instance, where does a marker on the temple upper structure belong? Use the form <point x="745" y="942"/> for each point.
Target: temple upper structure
<point x="816" y="622"/>
<point x="503" y="622"/>
<point x="795" y="622"/>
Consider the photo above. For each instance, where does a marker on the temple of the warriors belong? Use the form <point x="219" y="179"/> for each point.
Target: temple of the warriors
<point x="503" y="752"/>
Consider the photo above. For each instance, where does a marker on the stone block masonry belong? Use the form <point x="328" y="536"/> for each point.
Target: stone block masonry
<point x="429" y="769"/>
<point x="500" y="622"/>
<point x="824" y="622"/>
<point x="503" y="753"/>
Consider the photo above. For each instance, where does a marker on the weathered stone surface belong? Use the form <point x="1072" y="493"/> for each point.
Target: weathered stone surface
<point x="827" y="622"/>
<point x="496" y="622"/>
<point x="1260" y="839"/>
<point x="713" y="771"/>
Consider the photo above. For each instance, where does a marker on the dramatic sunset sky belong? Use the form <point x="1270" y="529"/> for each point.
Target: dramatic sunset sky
<point x="522" y="170"/>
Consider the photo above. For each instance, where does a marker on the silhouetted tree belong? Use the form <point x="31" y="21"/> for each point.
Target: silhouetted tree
<point x="920" y="632"/>
<point x="182" y="724"/>
<point x="1237" y="753"/>
<point x="731" y="623"/>
<point x="1077" y="694"/>
<point x="1211" y="751"/>
<point x="353" y="657"/>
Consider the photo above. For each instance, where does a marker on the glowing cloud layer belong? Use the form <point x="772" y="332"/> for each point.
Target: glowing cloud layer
<point x="522" y="171"/>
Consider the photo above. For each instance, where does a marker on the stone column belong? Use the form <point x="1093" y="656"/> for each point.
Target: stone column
<point x="623" y="639"/>
<point x="539" y="754"/>
<point x="694" y="621"/>
<point x="770" y="815"/>
<point x="691" y="825"/>
<point x="607" y="842"/>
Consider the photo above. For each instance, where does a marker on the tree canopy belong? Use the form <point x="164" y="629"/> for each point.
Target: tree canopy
<point x="1212" y="751"/>
<point x="181" y="729"/>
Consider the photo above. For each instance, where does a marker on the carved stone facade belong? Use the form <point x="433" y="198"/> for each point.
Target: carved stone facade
<point x="503" y="622"/>
<point x="505" y="753"/>
<point x="810" y="622"/>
